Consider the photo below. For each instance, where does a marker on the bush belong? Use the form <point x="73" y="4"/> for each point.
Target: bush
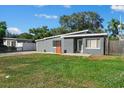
<point x="113" y="38"/>
<point x="7" y="49"/>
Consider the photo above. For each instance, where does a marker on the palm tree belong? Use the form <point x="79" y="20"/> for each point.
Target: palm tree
<point x="113" y="27"/>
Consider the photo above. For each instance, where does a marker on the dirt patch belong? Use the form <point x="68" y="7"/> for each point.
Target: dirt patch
<point x="18" y="66"/>
<point x="94" y="58"/>
<point x="1" y="71"/>
<point x="88" y="84"/>
<point x="2" y="74"/>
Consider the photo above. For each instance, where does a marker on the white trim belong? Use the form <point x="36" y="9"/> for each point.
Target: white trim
<point x="78" y="45"/>
<point x="76" y="32"/>
<point x="62" y="35"/>
<point x="93" y="43"/>
<point x="91" y="48"/>
<point x="6" y="38"/>
<point x="83" y="35"/>
<point x="70" y="35"/>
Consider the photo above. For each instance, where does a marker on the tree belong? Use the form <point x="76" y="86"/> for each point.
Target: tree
<point x="40" y="32"/>
<point x="25" y="36"/>
<point x="3" y="28"/>
<point x="82" y="20"/>
<point x="58" y="31"/>
<point x="10" y="35"/>
<point x="113" y="27"/>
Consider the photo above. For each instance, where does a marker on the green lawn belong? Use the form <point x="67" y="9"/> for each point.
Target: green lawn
<point x="43" y="70"/>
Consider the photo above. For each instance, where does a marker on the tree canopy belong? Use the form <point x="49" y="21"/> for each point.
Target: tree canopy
<point x="39" y="32"/>
<point x="25" y="36"/>
<point x="82" y="20"/>
<point x="58" y="31"/>
<point x="68" y="23"/>
<point x="11" y="35"/>
<point x="113" y="27"/>
<point x="3" y="28"/>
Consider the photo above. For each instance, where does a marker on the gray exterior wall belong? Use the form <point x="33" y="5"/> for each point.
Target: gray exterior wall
<point x="68" y="45"/>
<point x="94" y="51"/>
<point x="46" y="45"/>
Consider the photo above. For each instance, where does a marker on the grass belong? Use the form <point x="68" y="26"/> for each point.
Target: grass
<point x="43" y="70"/>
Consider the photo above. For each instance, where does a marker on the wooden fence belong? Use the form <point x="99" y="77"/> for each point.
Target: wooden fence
<point x="115" y="47"/>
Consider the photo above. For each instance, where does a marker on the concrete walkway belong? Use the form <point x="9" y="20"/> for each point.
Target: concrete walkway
<point x="77" y="54"/>
<point x="32" y="52"/>
<point x="17" y="53"/>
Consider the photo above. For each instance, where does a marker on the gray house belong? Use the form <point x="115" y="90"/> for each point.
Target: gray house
<point x="84" y="42"/>
<point x="20" y="44"/>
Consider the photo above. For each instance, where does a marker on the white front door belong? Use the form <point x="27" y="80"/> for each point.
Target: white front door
<point x="80" y="45"/>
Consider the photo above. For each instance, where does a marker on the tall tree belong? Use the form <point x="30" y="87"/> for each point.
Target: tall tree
<point x="81" y="21"/>
<point x="3" y="28"/>
<point x="25" y="36"/>
<point x="58" y="31"/>
<point x="11" y="35"/>
<point x="40" y="32"/>
<point x="113" y="27"/>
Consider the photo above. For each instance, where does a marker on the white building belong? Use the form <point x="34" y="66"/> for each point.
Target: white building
<point x="20" y="44"/>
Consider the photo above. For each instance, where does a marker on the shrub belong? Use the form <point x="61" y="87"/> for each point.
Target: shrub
<point x="4" y="48"/>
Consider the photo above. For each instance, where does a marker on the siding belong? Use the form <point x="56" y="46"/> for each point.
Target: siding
<point x="29" y="46"/>
<point x="46" y="45"/>
<point x="94" y="51"/>
<point x="68" y="45"/>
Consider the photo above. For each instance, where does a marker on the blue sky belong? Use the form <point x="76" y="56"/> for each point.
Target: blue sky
<point x="20" y="18"/>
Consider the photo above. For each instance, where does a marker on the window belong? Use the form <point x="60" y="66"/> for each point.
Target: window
<point x="93" y="43"/>
<point x="8" y="43"/>
<point x="56" y="43"/>
<point x="13" y="43"/>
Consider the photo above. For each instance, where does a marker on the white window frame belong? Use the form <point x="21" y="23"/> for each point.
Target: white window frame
<point x="55" y="41"/>
<point x="78" y="44"/>
<point x="8" y="43"/>
<point x="90" y="42"/>
<point x="53" y="44"/>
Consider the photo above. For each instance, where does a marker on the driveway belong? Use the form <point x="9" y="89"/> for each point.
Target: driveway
<point x="17" y="53"/>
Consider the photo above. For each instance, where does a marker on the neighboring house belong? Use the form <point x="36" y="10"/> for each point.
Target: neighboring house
<point x="76" y="42"/>
<point x="20" y="44"/>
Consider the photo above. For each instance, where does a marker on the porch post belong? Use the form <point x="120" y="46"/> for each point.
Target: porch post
<point x="62" y="44"/>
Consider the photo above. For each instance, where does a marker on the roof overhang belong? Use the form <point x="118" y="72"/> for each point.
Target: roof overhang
<point x="17" y="39"/>
<point x="57" y="36"/>
<point x="72" y="35"/>
<point x="86" y="35"/>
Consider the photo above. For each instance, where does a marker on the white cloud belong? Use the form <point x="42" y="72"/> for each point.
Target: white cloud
<point x="67" y="6"/>
<point x="46" y="16"/>
<point x="14" y="30"/>
<point x="118" y="8"/>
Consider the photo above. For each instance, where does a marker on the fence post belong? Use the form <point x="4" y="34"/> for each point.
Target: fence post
<point x="108" y="46"/>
